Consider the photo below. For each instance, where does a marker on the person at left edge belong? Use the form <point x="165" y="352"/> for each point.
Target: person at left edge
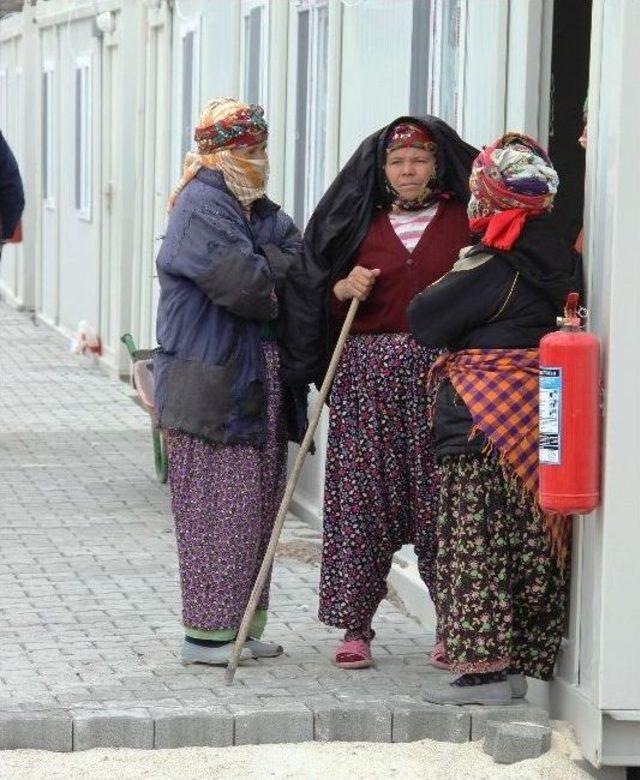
<point x="225" y="411"/>
<point x="11" y="192"/>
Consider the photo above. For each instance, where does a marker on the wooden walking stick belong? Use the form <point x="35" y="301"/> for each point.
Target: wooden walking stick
<point x="288" y="495"/>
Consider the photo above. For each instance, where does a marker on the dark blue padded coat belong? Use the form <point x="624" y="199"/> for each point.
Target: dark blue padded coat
<point x="222" y="280"/>
<point x="11" y="191"/>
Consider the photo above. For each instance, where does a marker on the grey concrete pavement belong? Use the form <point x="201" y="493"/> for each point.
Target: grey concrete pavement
<point x="89" y="599"/>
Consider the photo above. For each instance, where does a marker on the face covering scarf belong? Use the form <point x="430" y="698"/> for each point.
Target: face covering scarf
<point x="225" y="127"/>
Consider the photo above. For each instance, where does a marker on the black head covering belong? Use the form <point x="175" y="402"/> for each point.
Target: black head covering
<point x="338" y="225"/>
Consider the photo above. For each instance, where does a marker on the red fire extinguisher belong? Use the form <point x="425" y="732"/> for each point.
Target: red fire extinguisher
<point x="569" y="471"/>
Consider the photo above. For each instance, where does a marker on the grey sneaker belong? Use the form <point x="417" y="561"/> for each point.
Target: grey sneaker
<point x="263" y="649"/>
<point x="519" y="685"/>
<point x="496" y="693"/>
<point x="215" y="656"/>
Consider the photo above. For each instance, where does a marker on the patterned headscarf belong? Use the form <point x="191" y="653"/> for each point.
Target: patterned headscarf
<point x="405" y="136"/>
<point x="511" y="180"/>
<point x="227" y="125"/>
<point x="409" y="136"/>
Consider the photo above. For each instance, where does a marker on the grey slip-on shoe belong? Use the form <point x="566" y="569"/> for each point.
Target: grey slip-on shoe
<point x="496" y="693"/>
<point x="215" y="656"/>
<point x="260" y="649"/>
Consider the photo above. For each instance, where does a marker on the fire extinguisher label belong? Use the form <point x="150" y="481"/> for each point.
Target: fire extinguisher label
<point x="550" y="411"/>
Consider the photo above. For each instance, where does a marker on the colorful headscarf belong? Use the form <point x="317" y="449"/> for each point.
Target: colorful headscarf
<point x="511" y="180"/>
<point x="410" y="136"/>
<point x="405" y="136"/>
<point x="226" y="125"/>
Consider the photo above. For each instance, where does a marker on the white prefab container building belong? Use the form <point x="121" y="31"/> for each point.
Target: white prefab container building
<point x="98" y="99"/>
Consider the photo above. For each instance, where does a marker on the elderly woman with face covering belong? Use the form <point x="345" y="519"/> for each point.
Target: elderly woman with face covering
<point x="502" y="565"/>
<point x="222" y="268"/>
<point x="393" y="221"/>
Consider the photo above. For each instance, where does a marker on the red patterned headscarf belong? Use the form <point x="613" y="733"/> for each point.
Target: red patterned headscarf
<point x="405" y="136"/>
<point x="225" y="126"/>
<point x="511" y="180"/>
<point x="244" y="126"/>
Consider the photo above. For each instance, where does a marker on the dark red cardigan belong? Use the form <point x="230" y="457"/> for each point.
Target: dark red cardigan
<point x="403" y="273"/>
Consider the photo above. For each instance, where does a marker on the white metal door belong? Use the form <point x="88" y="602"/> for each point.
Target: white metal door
<point x="79" y="181"/>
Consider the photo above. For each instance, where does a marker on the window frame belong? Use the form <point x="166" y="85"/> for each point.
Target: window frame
<point x="47" y="131"/>
<point x="421" y="45"/>
<point x="83" y="155"/>
<point x="247" y="6"/>
<point x="19" y="98"/>
<point x="194" y="30"/>
<point x="438" y="28"/>
<point x="316" y="116"/>
<point x="4" y="99"/>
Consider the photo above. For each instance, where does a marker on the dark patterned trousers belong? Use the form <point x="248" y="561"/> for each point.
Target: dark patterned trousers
<point x="381" y="488"/>
<point x="502" y="592"/>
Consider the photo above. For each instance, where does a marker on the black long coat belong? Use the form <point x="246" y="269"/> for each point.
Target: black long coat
<point x="508" y="302"/>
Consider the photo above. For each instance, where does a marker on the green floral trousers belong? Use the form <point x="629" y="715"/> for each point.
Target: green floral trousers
<point x="502" y="594"/>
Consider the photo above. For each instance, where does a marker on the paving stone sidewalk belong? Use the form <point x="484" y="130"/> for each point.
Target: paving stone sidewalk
<point x="89" y="601"/>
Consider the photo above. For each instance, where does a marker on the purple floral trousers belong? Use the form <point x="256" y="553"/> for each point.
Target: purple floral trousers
<point x="224" y="501"/>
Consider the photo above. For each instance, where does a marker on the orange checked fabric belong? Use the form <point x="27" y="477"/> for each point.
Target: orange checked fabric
<point x="500" y="389"/>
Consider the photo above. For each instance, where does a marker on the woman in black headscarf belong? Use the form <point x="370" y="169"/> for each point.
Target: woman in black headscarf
<point x="393" y="221"/>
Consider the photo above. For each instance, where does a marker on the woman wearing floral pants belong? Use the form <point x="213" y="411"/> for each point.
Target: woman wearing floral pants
<point x="502" y="563"/>
<point x="393" y="221"/>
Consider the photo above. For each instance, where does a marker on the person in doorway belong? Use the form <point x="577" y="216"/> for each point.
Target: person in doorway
<point x="582" y="140"/>
<point x="502" y="564"/>
<point x="393" y="220"/>
<point x="226" y="414"/>
<point x="11" y="192"/>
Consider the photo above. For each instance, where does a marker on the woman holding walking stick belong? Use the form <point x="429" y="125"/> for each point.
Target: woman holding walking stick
<point x="226" y="413"/>
<point x="392" y="221"/>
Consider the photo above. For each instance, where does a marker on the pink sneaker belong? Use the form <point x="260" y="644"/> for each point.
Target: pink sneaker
<point x="353" y="654"/>
<point x="437" y="657"/>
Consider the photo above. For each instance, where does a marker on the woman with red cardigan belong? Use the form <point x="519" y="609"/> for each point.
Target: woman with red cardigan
<point x="392" y="222"/>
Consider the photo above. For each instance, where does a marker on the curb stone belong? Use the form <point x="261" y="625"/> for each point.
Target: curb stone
<point x="480" y="716"/>
<point x="273" y="725"/>
<point x="197" y="728"/>
<point x="344" y="723"/>
<point x="510" y="742"/>
<point x="36" y="731"/>
<point x="412" y="722"/>
<point x="113" y="729"/>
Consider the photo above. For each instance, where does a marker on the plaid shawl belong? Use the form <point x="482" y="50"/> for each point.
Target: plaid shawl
<point x="500" y="389"/>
